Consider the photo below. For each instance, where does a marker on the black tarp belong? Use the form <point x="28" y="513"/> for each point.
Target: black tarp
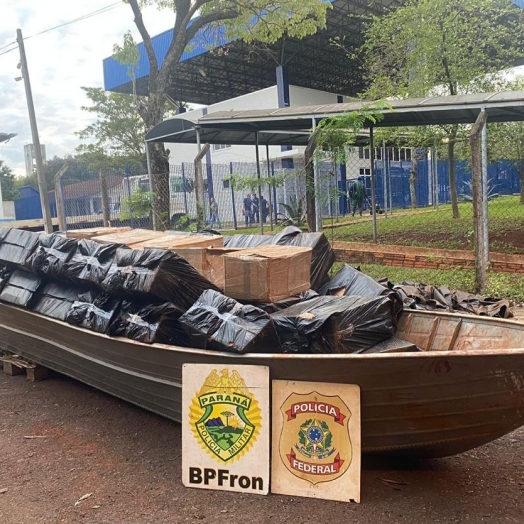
<point x="51" y="253"/>
<point x="149" y="323"/>
<point x="247" y="241"/>
<point x="20" y="288"/>
<point x="156" y="273"/>
<point x="431" y="298"/>
<point x="350" y="281"/>
<point x="335" y="324"/>
<point x="221" y="323"/>
<point x="94" y="310"/>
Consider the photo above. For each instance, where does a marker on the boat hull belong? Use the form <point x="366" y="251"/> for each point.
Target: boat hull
<point x="427" y="404"/>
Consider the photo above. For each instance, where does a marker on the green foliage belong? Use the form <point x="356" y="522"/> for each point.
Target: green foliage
<point x="137" y="205"/>
<point x="250" y="183"/>
<point x="118" y="129"/>
<point x="7" y="181"/>
<point x="441" y="47"/>
<point x="127" y="54"/>
<point x="295" y="212"/>
<point x="338" y="132"/>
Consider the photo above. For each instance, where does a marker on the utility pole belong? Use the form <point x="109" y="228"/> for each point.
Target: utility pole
<point x="42" y="186"/>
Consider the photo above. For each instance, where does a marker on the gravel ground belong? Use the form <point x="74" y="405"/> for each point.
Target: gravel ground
<point x="128" y="461"/>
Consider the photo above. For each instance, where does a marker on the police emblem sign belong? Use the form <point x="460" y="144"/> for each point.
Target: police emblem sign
<point x="316" y="440"/>
<point x="225" y="427"/>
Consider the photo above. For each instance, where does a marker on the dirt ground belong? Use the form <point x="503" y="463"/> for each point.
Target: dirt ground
<point x="62" y="441"/>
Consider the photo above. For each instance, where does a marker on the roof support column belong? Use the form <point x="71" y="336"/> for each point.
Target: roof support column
<point x="318" y="208"/>
<point x="209" y="168"/>
<point x="373" y="192"/>
<point x="259" y="187"/>
<point x="283" y="101"/>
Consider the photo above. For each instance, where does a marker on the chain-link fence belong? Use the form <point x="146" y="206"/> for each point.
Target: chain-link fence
<point x="412" y="193"/>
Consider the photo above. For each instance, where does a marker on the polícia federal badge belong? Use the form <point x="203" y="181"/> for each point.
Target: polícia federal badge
<point x="225" y="416"/>
<point x="315" y="444"/>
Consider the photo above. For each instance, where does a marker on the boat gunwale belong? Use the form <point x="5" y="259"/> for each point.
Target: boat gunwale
<point x="293" y="356"/>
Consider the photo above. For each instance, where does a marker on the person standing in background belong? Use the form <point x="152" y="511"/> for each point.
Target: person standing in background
<point x="264" y="208"/>
<point x="247" y="210"/>
<point x="256" y="209"/>
<point x="213" y="213"/>
<point x="356" y="193"/>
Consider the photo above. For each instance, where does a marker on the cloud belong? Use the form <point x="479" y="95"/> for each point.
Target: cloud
<point x="60" y="62"/>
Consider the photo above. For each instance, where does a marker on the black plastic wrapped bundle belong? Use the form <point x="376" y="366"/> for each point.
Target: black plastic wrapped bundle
<point x="156" y="273"/>
<point x="247" y="241"/>
<point x="350" y="281"/>
<point x="90" y="263"/>
<point x="5" y="273"/>
<point x="323" y="256"/>
<point x="20" y="288"/>
<point x="50" y="255"/>
<point x="272" y="307"/>
<point x="55" y="300"/>
<point x="3" y="232"/>
<point x="94" y="310"/>
<point x="223" y="324"/>
<point x="335" y="324"/>
<point x="17" y="245"/>
<point x="149" y="323"/>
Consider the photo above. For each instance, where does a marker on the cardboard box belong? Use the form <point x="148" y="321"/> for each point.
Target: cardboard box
<point x="134" y="238"/>
<point x="209" y="262"/>
<point x="91" y="232"/>
<point x="180" y="241"/>
<point x="267" y="273"/>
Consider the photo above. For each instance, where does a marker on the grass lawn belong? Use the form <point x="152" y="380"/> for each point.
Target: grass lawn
<point x="436" y="228"/>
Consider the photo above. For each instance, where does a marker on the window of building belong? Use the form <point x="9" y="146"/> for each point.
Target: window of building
<point x="218" y="147"/>
<point x="226" y="183"/>
<point x="365" y="171"/>
<point x="363" y="152"/>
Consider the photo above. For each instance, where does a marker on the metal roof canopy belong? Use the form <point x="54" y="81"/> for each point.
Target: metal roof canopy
<point x="233" y="68"/>
<point x="292" y="125"/>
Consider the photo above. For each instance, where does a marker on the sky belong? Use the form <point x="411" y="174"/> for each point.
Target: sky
<point x="60" y="62"/>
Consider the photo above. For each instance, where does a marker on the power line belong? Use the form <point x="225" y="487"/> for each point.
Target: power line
<point x="80" y="18"/>
<point x="9" y="50"/>
<point x="7" y="45"/>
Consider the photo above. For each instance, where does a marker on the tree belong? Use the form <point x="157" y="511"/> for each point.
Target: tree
<point x="7" y="181"/>
<point x="250" y="20"/>
<point x="118" y="129"/>
<point x="442" y="47"/>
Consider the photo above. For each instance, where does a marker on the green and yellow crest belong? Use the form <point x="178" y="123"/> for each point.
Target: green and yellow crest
<point x="225" y="416"/>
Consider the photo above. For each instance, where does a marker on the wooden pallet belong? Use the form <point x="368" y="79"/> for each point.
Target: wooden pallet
<point x="16" y="365"/>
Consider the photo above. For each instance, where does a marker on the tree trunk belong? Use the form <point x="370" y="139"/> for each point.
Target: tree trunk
<point x="310" y="181"/>
<point x="412" y="182"/>
<point x="106" y="217"/>
<point x="152" y="114"/>
<point x="452" y="180"/>
<point x="521" y="178"/>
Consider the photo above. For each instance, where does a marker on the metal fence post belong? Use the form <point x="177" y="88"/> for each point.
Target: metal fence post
<point x="128" y="184"/>
<point x="186" y="210"/>
<point x="235" y="223"/>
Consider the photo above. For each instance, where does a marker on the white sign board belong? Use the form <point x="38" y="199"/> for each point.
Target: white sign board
<point x="316" y="440"/>
<point x="225" y="427"/>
